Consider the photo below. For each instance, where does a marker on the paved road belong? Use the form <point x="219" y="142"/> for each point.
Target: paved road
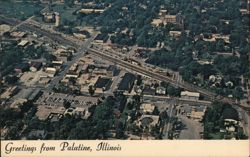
<point x="142" y="70"/>
<point x="57" y="37"/>
<point x="180" y="100"/>
<point x="131" y="55"/>
<point x="157" y="76"/>
<point x="245" y="119"/>
<point x="149" y="72"/>
<point x="171" y="112"/>
<point x="80" y="54"/>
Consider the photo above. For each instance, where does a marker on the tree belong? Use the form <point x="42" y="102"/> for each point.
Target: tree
<point x="26" y="107"/>
<point x="66" y="104"/>
<point x="11" y="79"/>
<point x="9" y="116"/>
<point x="120" y="131"/>
<point x="13" y="133"/>
<point x="164" y="84"/>
<point x="139" y="80"/>
<point x="214" y="119"/>
<point x="69" y="3"/>
<point x="156" y="111"/>
<point x="103" y="117"/>
<point x="173" y="91"/>
<point x="35" y="123"/>
<point x="240" y="134"/>
<point x="137" y="101"/>
<point x="156" y="85"/>
<point x="133" y="115"/>
<point x="164" y="115"/>
<point x="238" y="93"/>
<point x="130" y="105"/>
<point x="91" y="90"/>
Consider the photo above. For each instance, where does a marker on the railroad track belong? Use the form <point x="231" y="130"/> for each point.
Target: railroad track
<point x="146" y="72"/>
<point x="62" y="40"/>
<point x="35" y="28"/>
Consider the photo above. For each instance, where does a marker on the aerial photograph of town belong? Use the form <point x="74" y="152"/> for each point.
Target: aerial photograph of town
<point x="124" y="69"/>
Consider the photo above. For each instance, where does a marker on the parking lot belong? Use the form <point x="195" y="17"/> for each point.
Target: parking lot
<point x="191" y="130"/>
<point x="58" y="99"/>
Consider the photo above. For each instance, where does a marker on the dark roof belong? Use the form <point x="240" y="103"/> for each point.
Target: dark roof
<point x="102" y="82"/>
<point x="127" y="82"/>
<point x="200" y="108"/>
<point x="35" y="93"/>
<point x="230" y="113"/>
<point x="102" y="37"/>
<point x="111" y="68"/>
<point x="36" y="64"/>
<point x="148" y="90"/>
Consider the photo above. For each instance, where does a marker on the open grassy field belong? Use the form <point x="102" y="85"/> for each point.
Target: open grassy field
<point x="65" y="12"/>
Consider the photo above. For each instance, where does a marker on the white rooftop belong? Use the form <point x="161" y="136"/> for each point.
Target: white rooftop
<point x="187" y="93"/>
<point x="23" y="42"/>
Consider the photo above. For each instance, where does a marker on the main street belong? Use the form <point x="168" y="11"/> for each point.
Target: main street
<point x="81" y="52"/>
<point x="169" y="124"/>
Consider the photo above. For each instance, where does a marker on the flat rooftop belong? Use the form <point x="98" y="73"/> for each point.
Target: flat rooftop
<point x="126" y="82"/>
<point x="102" y="82"/>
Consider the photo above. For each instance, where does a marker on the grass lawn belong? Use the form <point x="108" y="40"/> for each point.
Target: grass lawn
<point x="66" y="12"/>
<point x="19" y="9"/>
<point x="69" y="14"/>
